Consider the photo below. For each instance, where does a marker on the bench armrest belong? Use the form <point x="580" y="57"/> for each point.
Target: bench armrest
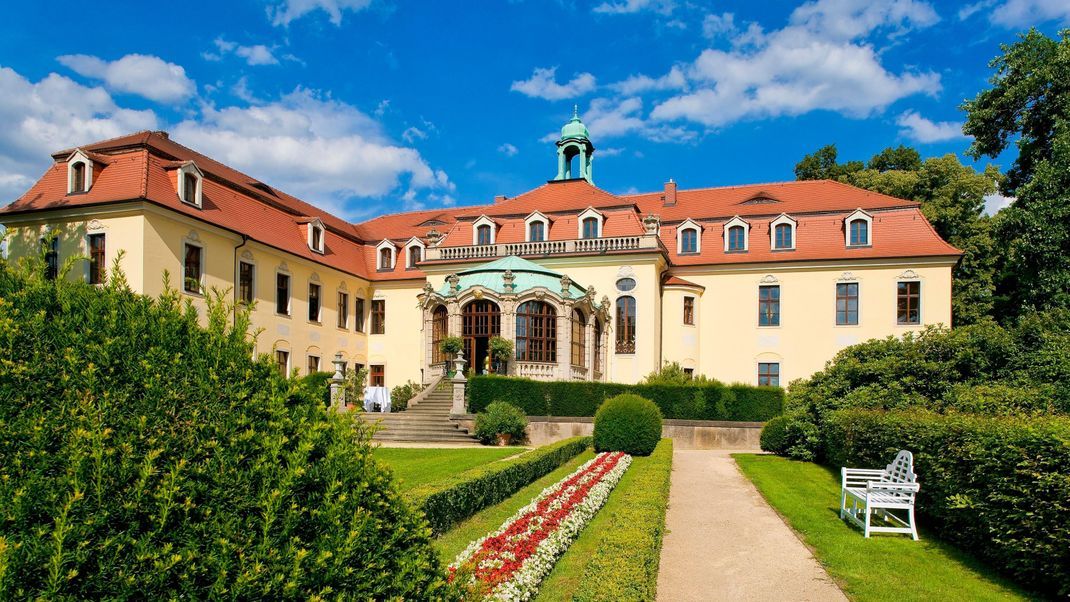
<point x="893" y="487"/>
<point x="860" y="476"/>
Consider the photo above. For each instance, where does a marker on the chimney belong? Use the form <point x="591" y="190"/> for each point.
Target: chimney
<point x="669" y="197"/>
<point x="499" y="198"/>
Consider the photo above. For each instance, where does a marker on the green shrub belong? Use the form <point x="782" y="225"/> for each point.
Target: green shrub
<point x="672" y="373"/>
<point x="627" y="423"/>
<point x="317" y="384"/>
<point x="144" y="456"/>
<point x="402" y="394"/>
<point x="792" y="435"/>
<point x="446" y="503"/>
<point x="624" y="566"/>
<point x="500" y="418"/>
<point x="713" y="401"/>
<point x="997" y="486"/>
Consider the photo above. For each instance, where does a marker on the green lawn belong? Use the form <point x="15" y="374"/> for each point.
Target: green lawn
<point x="884" y="567"/>
<point x="454" y="541"/>
<point x="418" y="466"/>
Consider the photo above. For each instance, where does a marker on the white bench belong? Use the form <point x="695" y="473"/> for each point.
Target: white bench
<point x="878" y="491"/>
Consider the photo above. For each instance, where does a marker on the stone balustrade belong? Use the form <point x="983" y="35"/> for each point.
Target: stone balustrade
<point x="549" y="247"/>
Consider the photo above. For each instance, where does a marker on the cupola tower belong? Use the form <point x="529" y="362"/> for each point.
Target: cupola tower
<point x="574" y="143"/>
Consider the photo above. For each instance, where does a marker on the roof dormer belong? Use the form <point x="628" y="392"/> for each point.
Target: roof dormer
<point x="385" y="256"/>
<point x="782" y="233"/>
<point x="79" y="172"/>
<point x="689" y="237"/>
<point x="190" y="182"/>
<point x="589" y="223"/>
<point x="736" y="235"/>
<point x="317" y="235"/>
<point x="536" y="227"/>
<point x="484" y="231"/>
<point x="414" y="252"/>
<point x="858" y="229"/>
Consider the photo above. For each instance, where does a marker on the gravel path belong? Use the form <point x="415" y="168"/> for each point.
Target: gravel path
<point x="725" y="543"/>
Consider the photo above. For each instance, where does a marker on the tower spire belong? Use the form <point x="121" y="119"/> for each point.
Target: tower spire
<point x="574" y="143"/>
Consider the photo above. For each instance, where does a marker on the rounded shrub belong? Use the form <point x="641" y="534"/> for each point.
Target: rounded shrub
<point x="500" y="418"/>
<point x="775" y="435"/>
<point x="792" y="435"/>
<point x="627" y="423"/>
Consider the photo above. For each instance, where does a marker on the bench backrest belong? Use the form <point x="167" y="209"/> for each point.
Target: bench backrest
<point x="901" y="470"/>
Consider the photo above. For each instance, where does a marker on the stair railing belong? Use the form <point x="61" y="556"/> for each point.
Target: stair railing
<point x="430" y="388"/>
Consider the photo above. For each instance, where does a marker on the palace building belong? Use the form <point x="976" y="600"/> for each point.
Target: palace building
<point x="756" y="284"/>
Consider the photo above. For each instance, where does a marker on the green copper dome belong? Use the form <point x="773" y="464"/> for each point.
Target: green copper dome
<point x="526" y="275"/>
<point x="575" y="128"/>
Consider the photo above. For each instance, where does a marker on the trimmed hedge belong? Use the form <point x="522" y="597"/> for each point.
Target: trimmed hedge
<point x="627" y="423"/>
<point x="625" y="564"/>
<point x="448" y="502"/>
<point x="582" y="398"/>
<point x="997" y="486"/>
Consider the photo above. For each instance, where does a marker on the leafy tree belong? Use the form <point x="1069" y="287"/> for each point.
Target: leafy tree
<point x="822" y="165"/>
<point x="901" y="158"/>
<point x="1029" y="102"/>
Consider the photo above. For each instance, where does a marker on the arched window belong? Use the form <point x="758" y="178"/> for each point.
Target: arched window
<point x="189" y="188"/>
<point x="579" y="339"/>
<point x="782" y="237"/>
<point x="438" y="332"/>
<point x="536" y="232"/>
<point x="598" y="345"/>
<point x="590" y="227"/>
<point x="414" y="256"/>
<point x="626" y="325"/>
<point x="737" y="238"/>
<point x="78" y="177"/>
<point x="859" y="229"/>
<point x="483" y="235"/>
<point x="386" y="259"/>
<point x="689" y="240"/>
<point x="536" y="332"/>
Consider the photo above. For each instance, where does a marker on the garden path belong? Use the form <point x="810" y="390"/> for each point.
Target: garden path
<point x="725" y="543"/>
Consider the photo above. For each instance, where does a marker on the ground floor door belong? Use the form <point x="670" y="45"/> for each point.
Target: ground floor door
<point x="480" y="320"/>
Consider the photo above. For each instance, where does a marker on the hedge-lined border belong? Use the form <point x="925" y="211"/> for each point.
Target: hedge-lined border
<point x="448" y="502"/>
<point x="997" y="486"/>
<point x="735" y="403"/>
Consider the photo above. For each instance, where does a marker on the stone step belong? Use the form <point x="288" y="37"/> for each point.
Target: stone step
<point x="421" y="434"/>
<point x="426" y="439"/>
<point x="412" y="421"/>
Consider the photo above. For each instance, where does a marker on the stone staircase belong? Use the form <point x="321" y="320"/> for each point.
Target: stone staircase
<point x="427" y="422"/>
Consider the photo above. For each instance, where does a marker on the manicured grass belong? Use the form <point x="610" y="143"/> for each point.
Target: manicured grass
<point x="454" y="541"/>
<point x="418" y="466"/>
<point x="616" y="557"/>
<point x="884" y="567"/>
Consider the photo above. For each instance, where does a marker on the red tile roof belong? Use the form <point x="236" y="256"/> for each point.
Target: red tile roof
<point x="670" y="280"/>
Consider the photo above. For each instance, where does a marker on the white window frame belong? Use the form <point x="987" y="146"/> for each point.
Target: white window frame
<point x="689" y="224"/>
<point x="779" y="221"/>
<point x="315" y="281"/>
<point x="737" y="221"/>
<point x="289" y="292"/>
<point x="413" y="242"/>
<point x="245" y="258"/>
<point x="590" y="212"/>
<point x="190" y="168"/>
<point x="393" y="256"/>
<point x="858" y="214"/>
<point x="79" y="156"/>
<point x="193" y="242"/>
<point x="533" y="217"/>
<point x="484" y="221"/>
<point x="313" y="225"/>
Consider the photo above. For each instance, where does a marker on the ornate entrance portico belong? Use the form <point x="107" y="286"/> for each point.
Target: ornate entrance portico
<point x="557" y="329"/>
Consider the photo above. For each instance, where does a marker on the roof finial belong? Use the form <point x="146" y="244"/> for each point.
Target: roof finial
<point x="575" y="111"/>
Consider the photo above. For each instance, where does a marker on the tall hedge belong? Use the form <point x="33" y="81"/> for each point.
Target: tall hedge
<point x="583" y="398"/>
<point x="997" y="486"/>
<point x="144" y="456"/>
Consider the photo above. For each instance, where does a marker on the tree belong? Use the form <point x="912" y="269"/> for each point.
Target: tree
<point x="822" y="165"/>
<point x="901" y="158"/>
<point x="1029" y="102"/>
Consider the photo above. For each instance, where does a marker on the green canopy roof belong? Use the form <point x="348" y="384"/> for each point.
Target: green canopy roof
<point x="526" y="275"/>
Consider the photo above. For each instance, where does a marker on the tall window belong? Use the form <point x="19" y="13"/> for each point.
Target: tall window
<point x="414" y="256"/>
<point x="579" y="339"/>
<point x="597" y="345"/>
<point x="358" y="315"/>
<point x="689" y="311"/>
<point x="439" y="325"/>
<point x="769" y="305"/>
<point x="378" y="316"/>
<point x="282" y="294"/>
<point x="908" y="303"/>
<point x="343" y="310"/>
<point x="737" y="238"/>
<point x="246" y="273"/>
<point x="191" y="269"/>
<point x="52" y="258"/>
<point x="859" y="232"/>
<point x="536" y="332"/>
<point x="282" y="361"/>
<point x="768" y="374"/>
<point x="386" y="258"/>
<point x="78" y="177"/>
<point x="689" y="241"/>
<point x="847" y="304"/>
<point x="626" y="325"/>
<point x="98" y="268"/>
<point x="189" y="188"/>
<point x="590" y="227"/>
<point x="377" y="375"/>
<point x="317" y="239"/>
<point x="782" y="236"/>
<point x="536" y="232"/>
<point x="483" y="235"/>
<point x="313" y="303"/>
<point x="313" y="364"/>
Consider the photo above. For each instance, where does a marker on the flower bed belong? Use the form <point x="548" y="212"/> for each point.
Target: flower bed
<point x="510" y="563"/>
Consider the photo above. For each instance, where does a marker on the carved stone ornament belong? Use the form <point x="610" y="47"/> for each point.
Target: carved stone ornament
<point x="434" y="237"/>
<point x="847" y="277"/>
<point x="193" y="235"/>
<point x="540" y="294"/>
<point x="652" y="223"/>
<point x="478" y="293"/>
<point x="283" y="267"/>
<point x="908" y="275"/>
<point x="342" y="287"/>
<point x="625" y="271"/>
<point x="428" y="289"/>
<point x="507" y="281"/>
<point x="566" y="286"/>
<point x="455" y="283"/>
<point x="94" y="224"/>
<point x="247" y="255"/>
<point x="605" y="303"/>
<point x="590" y="293"/>
<point x="769" y="279"/>
<point x="314" y="277"/>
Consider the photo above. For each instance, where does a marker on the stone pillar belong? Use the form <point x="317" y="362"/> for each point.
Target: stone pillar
<point x="338" y="389"/>
<point x="459" y="382"/>
<point x="589" y="350"/>
<point x="508" y="328"/>
<point x="564" y="341"/>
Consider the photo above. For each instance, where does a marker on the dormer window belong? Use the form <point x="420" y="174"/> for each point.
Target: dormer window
<point x="317" y="235"/>
<point x="190" y="184"/>
<point x="689" y="238"/>
<point x="782" y="233"/>
<point x="414" y="252"/>
<point x="79" y="173"/>
<point x="483" y="230"/>
<point x="735" y="235"/>
<point x="590" y="223"/>
<point x="857" y="229"/>
<point x="414" y="256"/>
<point x="535" y="226"/>
<point x="386" y="254"/>
<point x="78" y="177"/>
<point x="590" y="228"/>
<point x="483" y="235"/>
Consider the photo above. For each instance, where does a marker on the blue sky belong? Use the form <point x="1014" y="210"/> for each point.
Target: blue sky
<point x="367" y="106"/>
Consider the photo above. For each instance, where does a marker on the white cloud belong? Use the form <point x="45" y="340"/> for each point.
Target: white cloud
<point x="412" y="134"/>
<point x="995" y="202"/>
<point x="508" y="150"/>
<point x="971" y="9"/>
<point x="820" y="61"/>
<point x="257" y="54"/>
<point x="717" y="25"/>
<point x="918" y="128"/>
<point x="285" y="12"/>
<point x="144" y="75"/>
<point x="542" y="84"/>
<point x="610" y="152"/>
<point x="626" y="7"/>
<point x="1024" y="13"/>
<point x="610" y="118"/>
<point x="673" y="80"/>
<point x="49" y="115"/>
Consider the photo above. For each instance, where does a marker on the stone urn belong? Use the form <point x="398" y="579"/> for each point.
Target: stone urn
<point x="504" y="439"/>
